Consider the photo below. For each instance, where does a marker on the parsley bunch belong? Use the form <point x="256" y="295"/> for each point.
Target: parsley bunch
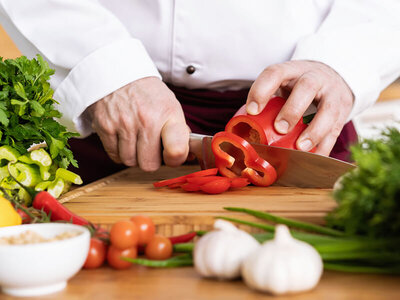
<point x="369" y="196"/>
<point x="27" y="112"/>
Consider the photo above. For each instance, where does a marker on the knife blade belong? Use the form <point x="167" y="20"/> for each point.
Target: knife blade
<point x="295" y="168"/>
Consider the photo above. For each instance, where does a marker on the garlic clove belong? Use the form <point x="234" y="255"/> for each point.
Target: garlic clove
<point x="283" y="265"/>
<point x="220" y="252"/>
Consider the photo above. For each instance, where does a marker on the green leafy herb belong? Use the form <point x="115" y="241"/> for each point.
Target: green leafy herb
<point x="27" y="109"/>
<point x="369" y="196"/>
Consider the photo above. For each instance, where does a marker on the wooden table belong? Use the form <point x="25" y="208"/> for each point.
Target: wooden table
<point x="130" y="192"/>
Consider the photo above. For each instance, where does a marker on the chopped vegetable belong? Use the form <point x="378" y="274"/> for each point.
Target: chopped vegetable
<point x="235" y="157"/>
<point x="206" y="181"/>
<point x="216" y="186"/>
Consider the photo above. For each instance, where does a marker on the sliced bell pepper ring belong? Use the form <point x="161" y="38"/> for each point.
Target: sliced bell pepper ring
<point x="239" y="182"/>
<point x="190" y="187"/>
<point x="235" y="157"/>
<point x="202" y="180"/>
<point x="260" y="128"/>
<point x="182" y="179"/>
<point x="216" y="186"/>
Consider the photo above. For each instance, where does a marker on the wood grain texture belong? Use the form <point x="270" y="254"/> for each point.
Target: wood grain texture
<point x="185" y="284"/>
<point x="131" y="192"/>
<point x="174" y="211"/>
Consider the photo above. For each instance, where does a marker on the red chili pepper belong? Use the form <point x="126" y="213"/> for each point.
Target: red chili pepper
<point x="44" y="201"/>
<point x="260" y="128"/>
<point x="235" y="157"/>
<point x="184" y="238"/>
<point x="58" y="212"/>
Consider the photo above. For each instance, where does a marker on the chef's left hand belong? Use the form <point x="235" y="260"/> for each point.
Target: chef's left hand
<point x="304" y="82"/>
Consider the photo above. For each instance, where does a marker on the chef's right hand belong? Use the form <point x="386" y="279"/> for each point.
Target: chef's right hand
<point x="133" y="121"/>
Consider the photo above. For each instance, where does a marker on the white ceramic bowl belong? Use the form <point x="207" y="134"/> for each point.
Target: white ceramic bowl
<point x="42" y="268"/>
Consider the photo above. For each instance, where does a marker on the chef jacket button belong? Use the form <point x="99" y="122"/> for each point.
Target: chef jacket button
<point x="190" y="69"/>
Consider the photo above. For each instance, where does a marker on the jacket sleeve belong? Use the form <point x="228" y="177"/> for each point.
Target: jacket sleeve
<point x="360" y="40"/>
<point x="92" y="52"/>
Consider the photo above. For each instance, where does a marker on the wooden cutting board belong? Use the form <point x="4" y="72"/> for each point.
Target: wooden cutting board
<point x="174" y="211"/>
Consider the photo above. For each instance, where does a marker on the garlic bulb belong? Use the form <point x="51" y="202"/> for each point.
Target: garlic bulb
<point x="220" y="253"/>
<point x="283" y="265"/>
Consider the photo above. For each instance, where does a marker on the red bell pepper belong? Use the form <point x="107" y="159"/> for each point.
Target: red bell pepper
<point x="235" y="157"/>
<point x="260" y="128"/>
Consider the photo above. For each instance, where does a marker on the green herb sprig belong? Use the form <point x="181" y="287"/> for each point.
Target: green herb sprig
<point x="27" y="113"/>
<point x="369" y="196"/>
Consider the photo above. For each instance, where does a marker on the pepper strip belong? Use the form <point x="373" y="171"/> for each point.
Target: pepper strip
<point x="235" y="157"/>
<point x="260" y="128"/>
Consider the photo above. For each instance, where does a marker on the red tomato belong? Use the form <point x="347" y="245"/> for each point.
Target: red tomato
<point x="96" y="255"/>
<point x="217" y="186"/>
<point x="239" y="182"/>
<point x="159" y="248"/>
<point x="146" y="229"/>
<point x="124" y="234"/>
<point x="26" y="219"/>
<point x="114" y="257"/>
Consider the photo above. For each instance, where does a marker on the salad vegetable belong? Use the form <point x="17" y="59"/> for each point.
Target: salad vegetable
<point x="33" y="145"/>
<point x="8" y="215"/>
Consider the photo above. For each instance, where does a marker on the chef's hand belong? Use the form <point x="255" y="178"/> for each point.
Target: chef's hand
<point x="303" y="82"/>
<point x="133" y="121"/>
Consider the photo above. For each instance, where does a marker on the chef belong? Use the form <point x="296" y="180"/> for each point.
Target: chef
<point x="142" y="74"/>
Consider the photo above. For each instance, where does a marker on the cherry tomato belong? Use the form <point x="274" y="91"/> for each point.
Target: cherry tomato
<point x="124" y="234"/>
<point x="159" y="248"/>
<point x="96" y="255"/>
<point x="26" y="219"/>
<point x="217" y="186"/>
<point x="239" y="182"/>
<point x="114" y="257"/>
<point x="146" y="229"/>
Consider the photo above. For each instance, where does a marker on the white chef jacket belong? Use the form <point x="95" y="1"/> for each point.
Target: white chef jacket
<point x="97" y="47"/>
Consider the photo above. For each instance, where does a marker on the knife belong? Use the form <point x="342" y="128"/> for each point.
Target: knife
<point x="295" y="168"/>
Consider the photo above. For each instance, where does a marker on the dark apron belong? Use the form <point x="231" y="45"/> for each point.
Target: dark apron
<point x="206" y="112"/>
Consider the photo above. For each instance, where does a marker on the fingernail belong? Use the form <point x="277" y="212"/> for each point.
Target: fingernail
<point x="252" y="108"/>
<point x="282" y="126"/>
<point x="305" y="145"/>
